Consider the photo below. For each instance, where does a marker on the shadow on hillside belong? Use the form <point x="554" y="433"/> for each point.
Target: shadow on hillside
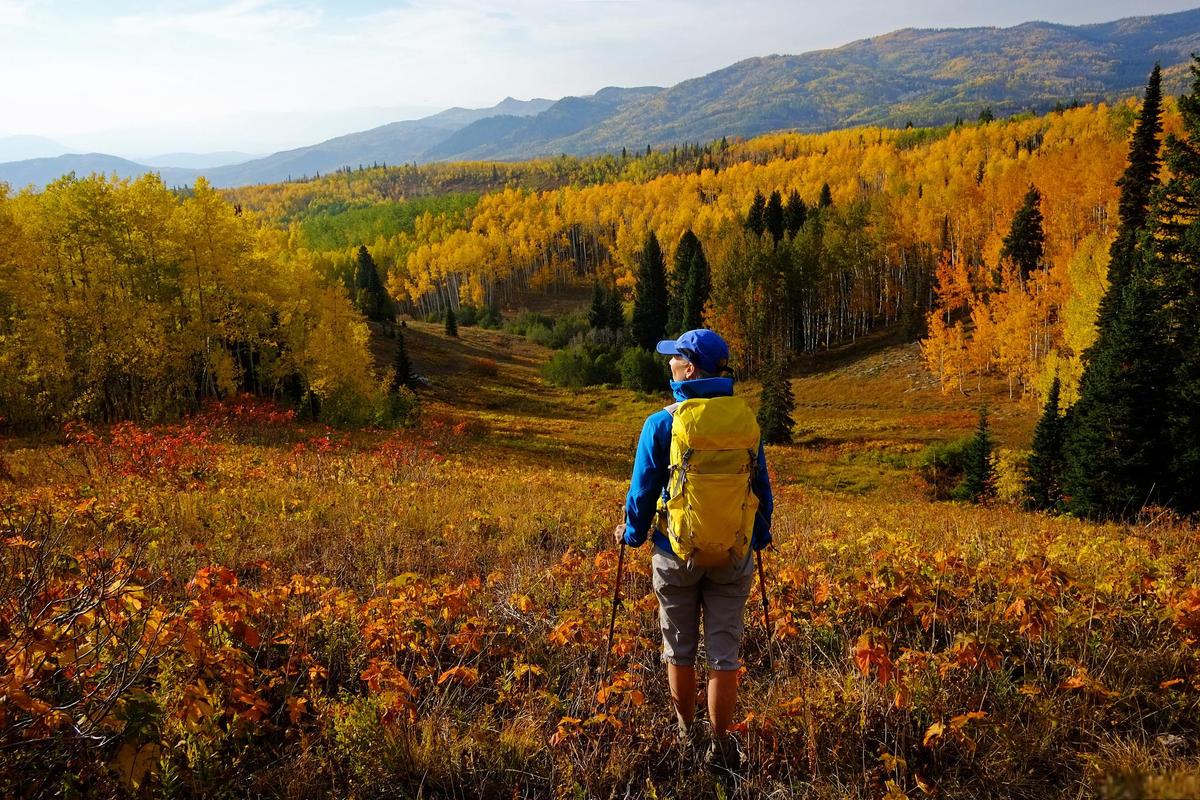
<point x="805" y="364"/>
<point x="558" y="457"/>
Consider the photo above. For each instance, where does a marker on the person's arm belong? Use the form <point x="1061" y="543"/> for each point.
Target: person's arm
<point x="649" y="477"/>
<point x="766" y="503"/>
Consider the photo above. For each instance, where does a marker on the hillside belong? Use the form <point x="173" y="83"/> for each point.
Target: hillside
<point x="928" y="77"/>
<point x="500" y="137"/>
<point x="862" y="411"/>
<point x="395" y="143"/>
<point x="424" y="612"/>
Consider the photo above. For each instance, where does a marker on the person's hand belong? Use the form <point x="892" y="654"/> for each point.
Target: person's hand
<point x="619" y="533"/>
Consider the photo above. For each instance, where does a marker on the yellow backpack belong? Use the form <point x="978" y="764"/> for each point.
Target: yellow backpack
<point x="708" y="514"/>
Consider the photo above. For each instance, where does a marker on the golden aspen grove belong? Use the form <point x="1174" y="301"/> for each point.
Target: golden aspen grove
<point x="244" y="556"/>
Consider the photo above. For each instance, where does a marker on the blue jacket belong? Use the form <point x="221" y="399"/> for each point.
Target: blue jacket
<point x="650" y="469"/>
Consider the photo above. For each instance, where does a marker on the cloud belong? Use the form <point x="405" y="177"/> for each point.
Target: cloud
<point x="239" y="20"/>
<point x="14" y="13"/>
<point x="476" y="51"/>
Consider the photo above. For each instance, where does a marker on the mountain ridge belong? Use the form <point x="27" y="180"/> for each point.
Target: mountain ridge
<point x="927" y="76"/>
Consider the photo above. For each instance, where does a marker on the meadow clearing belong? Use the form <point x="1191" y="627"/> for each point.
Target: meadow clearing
<point x="244" y="605"/>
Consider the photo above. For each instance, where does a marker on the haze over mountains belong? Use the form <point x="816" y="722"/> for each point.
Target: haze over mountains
<point x="17" y="148"/>
<point x="928" y="77"/>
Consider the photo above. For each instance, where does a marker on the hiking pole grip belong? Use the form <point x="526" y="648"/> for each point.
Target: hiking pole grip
<point x="762" y="585"/>
<point x="612" y="622"/>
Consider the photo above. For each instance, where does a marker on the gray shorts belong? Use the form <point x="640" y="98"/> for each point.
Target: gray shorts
<point x="682" y="593"/>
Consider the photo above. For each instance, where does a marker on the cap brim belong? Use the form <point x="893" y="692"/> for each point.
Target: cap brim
<point x="667" y="347"/>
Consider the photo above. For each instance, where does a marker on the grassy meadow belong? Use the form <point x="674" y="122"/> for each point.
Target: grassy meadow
<point x="242" y="605"/>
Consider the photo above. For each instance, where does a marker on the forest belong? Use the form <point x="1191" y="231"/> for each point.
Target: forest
<point x="916" y="218"/>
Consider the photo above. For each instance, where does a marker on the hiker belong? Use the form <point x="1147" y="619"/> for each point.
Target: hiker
<point x="703" y="530"/>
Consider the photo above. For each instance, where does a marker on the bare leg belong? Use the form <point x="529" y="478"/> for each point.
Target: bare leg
<point x="722" y="698"/>
<point x="682" y="681"/>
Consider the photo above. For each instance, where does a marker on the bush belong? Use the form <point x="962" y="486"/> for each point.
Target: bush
<point x="540" y="334"/>
<point x="547" y="331"/>
<point x="581" y="365"/>
<point x="609" y="337"/>
<point x="489" y="318"/>
<point x="403" y="409"/>
<point x="525" y="320"/>
<point x="942" y="466"/>
<point x="642" y="371"/>
<point x="468" y="315"/>
<point x="568" y="327"/>
<point x="605" y="367"/>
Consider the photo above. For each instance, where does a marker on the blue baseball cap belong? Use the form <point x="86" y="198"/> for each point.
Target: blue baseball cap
<point x="702" y="347"/>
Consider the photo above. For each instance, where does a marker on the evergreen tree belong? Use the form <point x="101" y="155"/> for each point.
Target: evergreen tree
<point x="650" y="299"/>
<point x="1174" y="262"/>
<point x="1115" y="443"/>
<point x="773" y="217"/>
<point x="1026" y="241"/>
<point x="756" y="221"/>
<point x="986" y="115"/>
<point x="794" y="213"/>
<point x="451" y="322"/>
<point x="696" y="290"/>
<point x="979" y="476"/>
<point x="402" y="371"/>
<point x="826" y="198"/>
<point x="369" y="295"/>
<point x="1114" y="447"/>
<point x="685" y="257"/>
<point x="598" y="311"/>
<point x="1136" y="184"/>
<point x="1043" y="484"/>
<point x="616" y="311"/>
<point x="776" y="404"/>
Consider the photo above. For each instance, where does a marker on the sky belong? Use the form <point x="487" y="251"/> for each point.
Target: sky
<point x="143" y="78"/>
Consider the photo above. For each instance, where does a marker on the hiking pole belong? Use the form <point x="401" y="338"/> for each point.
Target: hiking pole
<point x="612" y="622"/>
<point x="762" y="584"/>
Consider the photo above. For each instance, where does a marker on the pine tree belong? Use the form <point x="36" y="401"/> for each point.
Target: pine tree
<point x="1043" y="484"/>
<point x="696" y="290"/>
<point x="1114" y="445"/>
<point x="451" y="322"/>
<point x="794" y="213"/>
<point x="598" y="311"/>
<point x="1174" y="262"/>
<point x="369" y="295"/>
<point x="402" y="371"/>
<point x="650" y="299"/>
<point x="685" y="257"/>
<point x="986" y="115"/>
<point x="773" y="217"/>
<point x="979" y="476"/>
<point x="1136" y="184"/>
<point x="756" y="221"/>
<point x="776" y="404"/>
<point x="826" y="198"/>
<point x="616" y="311"/>
<point x="1026" y="241"/>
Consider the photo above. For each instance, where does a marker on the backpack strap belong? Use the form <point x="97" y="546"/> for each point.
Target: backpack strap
<point x="671" y="408"/>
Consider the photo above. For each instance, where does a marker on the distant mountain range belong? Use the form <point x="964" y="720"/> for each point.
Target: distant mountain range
<point x="198" y="160"/>
<point x="16" y="148"/>
<point x="928" y="77"/>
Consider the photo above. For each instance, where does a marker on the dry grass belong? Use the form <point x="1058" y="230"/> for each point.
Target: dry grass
<point x="1071" y="644"/>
